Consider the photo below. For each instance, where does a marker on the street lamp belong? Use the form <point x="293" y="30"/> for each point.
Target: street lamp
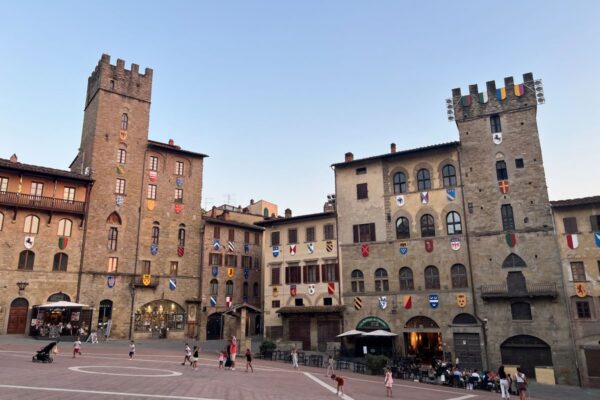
<point x="22" y="285"/>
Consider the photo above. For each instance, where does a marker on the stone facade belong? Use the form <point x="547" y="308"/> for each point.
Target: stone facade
<point x="58" y="205"/>
<point x="302" y="305"/>
<point x="580" y="254"/>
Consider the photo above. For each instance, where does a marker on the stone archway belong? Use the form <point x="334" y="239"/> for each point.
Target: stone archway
<point x="527" y="352"/>
<point x="17" y="317"/>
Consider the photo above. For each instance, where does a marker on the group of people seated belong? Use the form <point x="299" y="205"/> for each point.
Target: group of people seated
<point x="54" y="330"/>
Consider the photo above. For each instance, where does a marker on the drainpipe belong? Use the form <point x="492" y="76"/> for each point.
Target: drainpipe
<point x="337" y="241"/>
<point x="201" y="276"/>
<point x="88" y="194"/>
<point x="467" y="236"/>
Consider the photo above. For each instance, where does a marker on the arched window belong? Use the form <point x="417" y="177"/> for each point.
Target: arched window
<point x="453" y="223"/>
<point x="406" y="279"/>
<point x="402" y="228"/>
<point x="399" y="182"/>
<point x="60" y="296"/>
<point x="245" y="290"/>
<point x="155" y="234"/>
<point x="427" y="226"/>
<point x="229" y="288"/>
<point x="32" y="224"/>
<point x="458" y="272"/>
<point x="449" y="175"/>
<point x="60" y="262"/>
<point x="121" y="157"/>
<point x="255" y="290"/>
<point x="501" y="172"/>
<point x="114" y="219"/>
<point x="26" y="259"/>
<point x="104" y="312"/>
<point x="214" y="287"/>
<point x="464" y="319"/>
<point x="124" y="121"/>
<point x="423" y="179"/>
<point x="181" y="235"/>
<point x="513" y="261"/>
<point x="381" y="280"/>
<point x="521" y="311"/>
<point x="64" y="227"/>
<point x="358" y="281"/>
<point x="1" y="220"/>
<point x="113" y="236"/>
<point x="432" y="278"/>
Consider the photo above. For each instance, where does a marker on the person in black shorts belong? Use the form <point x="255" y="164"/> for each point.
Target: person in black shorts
<point x="249" y="360"/>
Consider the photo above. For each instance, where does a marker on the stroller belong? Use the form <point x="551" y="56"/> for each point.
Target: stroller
<point x="43" y="355"/>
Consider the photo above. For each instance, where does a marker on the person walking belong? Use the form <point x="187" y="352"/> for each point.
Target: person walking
<point x="76" y="346"/>
<point x="504" y="385"/>
<point x="131" y="350"/>
<point x="249" y="360"/>
<point x="389" y="382"/>
<point x="195" y="357"/>
<point x="521" y="384"/>
<point x="330" y="366"/>
<point x="295" y="358"/>
<point x="233" y="351"/>
<point x="222" y="357"/>
<point x="188" y="355"/>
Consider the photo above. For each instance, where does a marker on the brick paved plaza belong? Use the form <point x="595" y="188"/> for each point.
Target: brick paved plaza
<point x="105" y="372"/>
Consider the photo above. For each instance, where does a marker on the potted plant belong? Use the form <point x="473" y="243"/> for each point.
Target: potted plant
<point x="376" y="364"/>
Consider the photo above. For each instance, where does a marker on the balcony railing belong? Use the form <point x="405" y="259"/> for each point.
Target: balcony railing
<point x="501" y="291"/>
<point x="41" y="203"/>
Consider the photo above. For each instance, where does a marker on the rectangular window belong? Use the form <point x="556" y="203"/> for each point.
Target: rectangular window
<point x="155" y="235"/>
<point x="246" y="262"/>
<point x="37" y="188"/>
<point x="275" y="304"/>
<point x="364" y="233"/>
<point x="275" y="279"/>
<point x="69" y="194"/>
<point x="178" y="195"/>
<point x="256" y="238"/>
<point x="299" y="302"/>
<point x="583" y="309"/>
<point x="519" y="163"/>
<point x="120" y="186"/>
<point x="578" y="271"/>
<point x="174" y="268"/>
<point x="113" y="264"/>
<point x="247" y="237"/>
<point x="293" y="236"/>
<point x="508" y="221"/>
<point x="153" y="163"/>
<point x="257" y="263"/>
<point x="361" y="171"/>
<point x="310" y="234"/>
<point x="113" y="235"/>
<point x="122" y="156"/>
<point x="179" y="168"/>
<point x="330" y="272"/>
<point x="151" y="192"/>
<point x="328" y="232"/>
<point x="327" y="301"/>
<point x="495" y="123"/>
<point x="570" y="224"/>
<point x="145" y="267"/>
<point x="274" y="238"/>
<point x="3" y="184"/>
<point x="311" y="274"/>
<point x="231" y="235"/>
<point x="231" y="260"/>
<point x="217" y="232"/>
<point x="362" y="191"/>
<point x="216" y="259"/>
<point x="595" y="222"/>
<point x="292" y="274"/>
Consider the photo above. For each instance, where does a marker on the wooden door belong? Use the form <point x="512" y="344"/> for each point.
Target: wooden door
<point x="299" y="331"/>
<point x="467" y="347"/>
<point x="17" y="318"/>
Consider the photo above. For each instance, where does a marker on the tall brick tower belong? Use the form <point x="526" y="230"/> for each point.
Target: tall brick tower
<point x="515" y="262"/>
<point x="141" y="247"/>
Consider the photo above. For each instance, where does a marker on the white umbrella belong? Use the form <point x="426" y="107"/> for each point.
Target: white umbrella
<point x="352" y="332"/>
<point x="62" y="304"/>
<point x="380" y="332"/>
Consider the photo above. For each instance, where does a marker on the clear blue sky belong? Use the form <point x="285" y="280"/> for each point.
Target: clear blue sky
<point x="277" y="91"/>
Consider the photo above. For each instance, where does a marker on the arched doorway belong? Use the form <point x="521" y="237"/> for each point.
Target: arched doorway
<point x="214" y="326"/>
<point x="527" y="352"/>
<point x="60" y="296"/>
<point x="374" y="344"/>
<point x="423" y="339"/>
<point x="257" y="325"/>
<point x="467" y="345"/>
<point x="160" y="317"/>
<point x="17" y="317"/>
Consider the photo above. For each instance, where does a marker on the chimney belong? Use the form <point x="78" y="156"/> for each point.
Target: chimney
<point x="288" y="213"/>
<point x="171" y="142"/>
<point x="393" y="148"/>
<point x="251" y="201"/>
<point x="13" y="158"/>
<point x="348" y="157"/>
<point x="213" y="212"/>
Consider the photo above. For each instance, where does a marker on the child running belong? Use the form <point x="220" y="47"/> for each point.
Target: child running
<point x="222" y="356"/>
<point x="76" y="347"/>
<point x="195" y="357"/>
<point x="188" y="355"/>
<point x="389" y="381"/>
<point x="131" y="350"/>
<point x="340" y="384"/>
<point x="249" y="360"/>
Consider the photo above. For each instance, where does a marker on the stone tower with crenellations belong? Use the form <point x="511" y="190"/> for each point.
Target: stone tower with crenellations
<point x="514" y="260"/>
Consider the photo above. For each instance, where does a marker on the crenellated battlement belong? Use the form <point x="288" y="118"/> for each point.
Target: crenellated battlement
<point x="117" y="79"/>
<point x="494" y="100"/>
